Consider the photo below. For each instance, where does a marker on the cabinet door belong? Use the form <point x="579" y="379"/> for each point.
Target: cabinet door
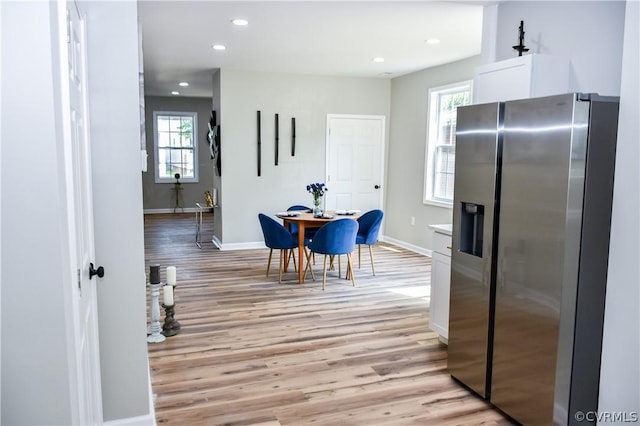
<point x="527" y="76"/>
<point x="439" y="304"/>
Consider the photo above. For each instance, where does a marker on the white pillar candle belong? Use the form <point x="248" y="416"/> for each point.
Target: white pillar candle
<point x="167" y="295"/>
<point x="171" y="275"/>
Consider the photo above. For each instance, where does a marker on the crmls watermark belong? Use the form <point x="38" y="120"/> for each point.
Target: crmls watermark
<point x="607" y="416"/>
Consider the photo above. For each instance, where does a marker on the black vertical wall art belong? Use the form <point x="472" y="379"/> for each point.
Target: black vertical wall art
<point x="259" y="145"/>
<point x="213" y="137"/>
<point x="277" y="147"/>
<point x="293" y="136"/>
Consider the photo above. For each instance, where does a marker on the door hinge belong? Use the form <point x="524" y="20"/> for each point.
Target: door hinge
<point x="79" y="279"/>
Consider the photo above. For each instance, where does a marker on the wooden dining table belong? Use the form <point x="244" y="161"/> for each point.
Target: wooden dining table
<point x="306" y="220"/>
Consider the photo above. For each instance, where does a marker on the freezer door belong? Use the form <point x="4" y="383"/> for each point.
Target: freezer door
<point x="477" y="161"/>
<point x="543" y="167"/>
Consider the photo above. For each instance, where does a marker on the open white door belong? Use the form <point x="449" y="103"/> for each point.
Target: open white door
<point x="84" y="347"/>
<point x="355" y="152"/>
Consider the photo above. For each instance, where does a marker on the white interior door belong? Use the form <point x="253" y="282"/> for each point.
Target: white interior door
<point x="355" y="148"/>
<point x="85" y="350"/>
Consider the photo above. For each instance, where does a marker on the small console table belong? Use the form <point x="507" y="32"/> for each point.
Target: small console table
<point x="177" y="189"/>
<point x="200" y="209"/>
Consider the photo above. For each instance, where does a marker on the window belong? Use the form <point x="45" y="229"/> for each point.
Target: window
<point x="441" y="141"/>
<point x="175" y="146"/>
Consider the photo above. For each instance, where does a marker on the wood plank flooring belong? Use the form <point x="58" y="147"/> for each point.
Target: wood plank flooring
<point x="255" y="352"/>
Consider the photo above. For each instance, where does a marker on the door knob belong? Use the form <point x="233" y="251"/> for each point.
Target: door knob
<point x="377" y="186"/>
<point x="99" y="272"/>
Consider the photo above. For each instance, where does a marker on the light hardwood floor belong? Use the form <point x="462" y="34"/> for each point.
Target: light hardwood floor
<point x="255" y="352"/>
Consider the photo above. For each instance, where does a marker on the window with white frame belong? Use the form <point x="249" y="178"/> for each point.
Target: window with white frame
<point x="175" y="146"/>
<point x="441" y="140"/>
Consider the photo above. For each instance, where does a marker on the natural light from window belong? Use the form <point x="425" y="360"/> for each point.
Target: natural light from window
<point x="175" y="146"/>
<point x="441" y="141"/>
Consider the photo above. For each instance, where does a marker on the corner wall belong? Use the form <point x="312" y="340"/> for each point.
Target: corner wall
<point x="620" y="377"/>
<point x="118" y="220"/>
<point x="406" y="158"/>
<point x="590" y="33"/>
<point x="36" y="366"/>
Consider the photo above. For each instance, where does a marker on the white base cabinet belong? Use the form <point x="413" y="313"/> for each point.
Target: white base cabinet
<point x="440" y="282"/>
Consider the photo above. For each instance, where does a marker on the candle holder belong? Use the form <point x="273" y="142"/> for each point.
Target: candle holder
<point x="171" y="327"/>
<point x="155" y="328"/>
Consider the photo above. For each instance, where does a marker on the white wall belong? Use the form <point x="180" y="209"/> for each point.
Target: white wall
<point x="36" y="385"/>
<point x="406" y="158"/>
<point x="117" y="189"/>
<point x="620" y="377"/>
<point x="307" y="98"/>
<point x="0" y="219"/>
<point x="588" y="32"/>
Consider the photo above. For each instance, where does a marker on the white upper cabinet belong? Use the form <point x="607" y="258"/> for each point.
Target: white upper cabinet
<point x="528" y="76"/>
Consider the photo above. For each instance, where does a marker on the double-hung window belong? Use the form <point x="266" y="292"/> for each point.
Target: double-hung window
<point x="175" y="146"/>
<point x="441" y="141"/>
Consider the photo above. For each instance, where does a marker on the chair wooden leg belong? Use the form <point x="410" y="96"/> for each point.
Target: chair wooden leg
<point x="350" y="269"/>
<point x="309" y="254"/>
<point x="371" y="255"/>
<point x="339" y="267"/>
<point x="308" y="267"/>
<point x="324" y="272"/>
<point x="269" y="261"/>
<point x="358" y="256"/>
<point x="293" y="255"/>
<point x="280" y="266"/>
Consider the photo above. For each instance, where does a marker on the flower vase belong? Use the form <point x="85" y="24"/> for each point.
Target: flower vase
<point x="317" y="212"/>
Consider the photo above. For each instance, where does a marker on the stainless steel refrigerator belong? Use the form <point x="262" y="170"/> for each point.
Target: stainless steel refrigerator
<point x="531" y="220"/>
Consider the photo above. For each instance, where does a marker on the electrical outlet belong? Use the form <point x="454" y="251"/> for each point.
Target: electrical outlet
<point x="413" y="220"/>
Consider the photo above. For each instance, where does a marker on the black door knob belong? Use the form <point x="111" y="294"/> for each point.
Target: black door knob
<point x="377" y="187"/>
<point x="99" y="272"/>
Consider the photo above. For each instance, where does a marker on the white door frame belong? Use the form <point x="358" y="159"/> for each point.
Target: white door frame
<point x="84" y="374"/>
<point x="383" y="146"/>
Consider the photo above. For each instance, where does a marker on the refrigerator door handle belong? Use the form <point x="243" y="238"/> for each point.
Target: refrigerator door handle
<point x="500" y="274"/>
<point x="486" y="273"/>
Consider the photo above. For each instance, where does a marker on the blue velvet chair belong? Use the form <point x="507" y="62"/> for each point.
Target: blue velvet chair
<point x="276" y="236"/>
<point x="335" y="238"/>
<point x="368" y="232"/>
<point x="308" y="232"/>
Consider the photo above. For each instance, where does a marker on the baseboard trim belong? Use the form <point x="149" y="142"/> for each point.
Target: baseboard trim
<point x="146" y="420"/>
<point x="239" y="246"/>
<point x="260" y="245"/>
<point x="405" y="245"/>
<point x="164" y="211"/>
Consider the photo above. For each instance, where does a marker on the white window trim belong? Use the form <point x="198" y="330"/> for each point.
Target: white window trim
<point x="194" y="116"/>
<point x="431" y="136"/>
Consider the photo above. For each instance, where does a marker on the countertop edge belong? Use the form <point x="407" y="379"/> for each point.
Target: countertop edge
<point x="444" y="228"/>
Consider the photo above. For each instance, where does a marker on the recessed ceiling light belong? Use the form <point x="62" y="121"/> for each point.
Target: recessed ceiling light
<point x="219" y="47"/>
<point x="433" y="41"/>
<point x="175" y="93"/>
<point x="240" y="22"/>
<point x="183" y="84"/>
<point x="378" y="59"/>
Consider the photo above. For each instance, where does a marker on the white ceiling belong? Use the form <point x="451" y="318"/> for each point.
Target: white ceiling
<point x="337" y="38"/>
